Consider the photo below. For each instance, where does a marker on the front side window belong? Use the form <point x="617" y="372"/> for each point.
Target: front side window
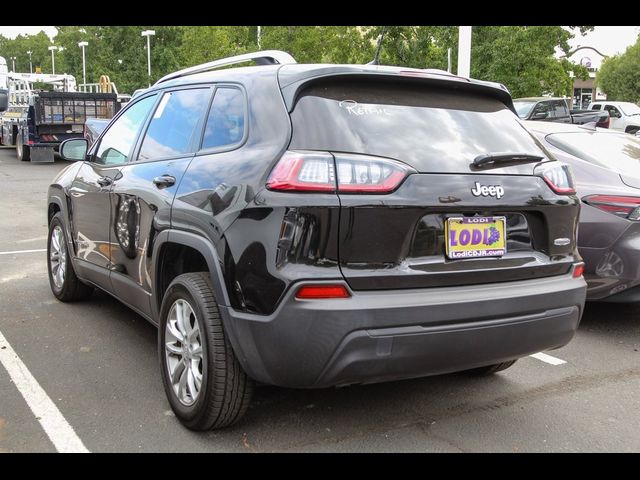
<point x="543" y="107"/>
<point x="226" y="122"/>
<point x="115" y="146"/>
<point x="173" y="124"/>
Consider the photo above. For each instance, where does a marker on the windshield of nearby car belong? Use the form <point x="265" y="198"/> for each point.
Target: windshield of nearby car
<point x="523" y="108"/>
<point x="617" y="151"/>
<point x="629" y="108"/>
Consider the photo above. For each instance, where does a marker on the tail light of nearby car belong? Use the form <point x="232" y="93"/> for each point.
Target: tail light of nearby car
<point x="621" y="206"/>
<point x="346" y="173"/>
<point x="558" y="176"/>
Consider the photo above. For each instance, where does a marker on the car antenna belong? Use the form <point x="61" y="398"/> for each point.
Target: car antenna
<point x="378" y="48"/>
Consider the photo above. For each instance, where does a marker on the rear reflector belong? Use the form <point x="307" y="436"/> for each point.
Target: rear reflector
<point x="624" y="207"/>
<point x="557" y="176"/>
<point x="316" y="172"/>
<point x="578" y="270"/>
<point x="323" y="291"/>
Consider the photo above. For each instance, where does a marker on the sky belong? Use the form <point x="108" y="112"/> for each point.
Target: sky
<point x="609" y="40"/>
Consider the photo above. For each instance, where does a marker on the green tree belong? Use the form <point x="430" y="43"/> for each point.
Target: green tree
<point x="619" y="76"/>
<point x="523" y="59"/>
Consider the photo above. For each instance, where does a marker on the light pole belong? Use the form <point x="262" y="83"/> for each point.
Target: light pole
<point x="52" y="49"/>
<point x="148" y="33"/>
<point x="464" y="51"/>
<point x="30" y="64"/>
<point x="84" y="69"/>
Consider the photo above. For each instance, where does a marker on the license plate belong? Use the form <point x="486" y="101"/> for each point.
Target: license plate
<point x="474" y="237"/>
<point x="77" y="128"/>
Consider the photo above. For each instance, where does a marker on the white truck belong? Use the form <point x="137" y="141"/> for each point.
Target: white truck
<point x="625" y="116"/>
<point x="37" y="121"/>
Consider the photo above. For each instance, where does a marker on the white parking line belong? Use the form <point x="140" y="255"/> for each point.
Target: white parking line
<point x="23" y="251"/>
<point x="58" y="430"/>
<point x="548" y="358"/>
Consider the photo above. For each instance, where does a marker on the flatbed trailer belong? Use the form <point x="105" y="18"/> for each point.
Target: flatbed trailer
<point x="36" y="122"/>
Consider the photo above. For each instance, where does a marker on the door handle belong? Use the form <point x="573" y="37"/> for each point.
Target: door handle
<point x="104" y="181"/>
<point x="164" y="181"/>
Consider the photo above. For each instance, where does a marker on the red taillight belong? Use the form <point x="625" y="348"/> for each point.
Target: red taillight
<point x="557" y="176"/>
<point x="303" y="172"/>
<point x="322" y="291"/>
<point x="604" y="123"/>
<point x="316" y="172"/>
<point x="624" y="207"/>
<point x="578" y="270"/>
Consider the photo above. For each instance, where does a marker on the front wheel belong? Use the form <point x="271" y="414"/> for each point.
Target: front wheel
<point x="65" y="285"/>
<point x="205" y="385"/>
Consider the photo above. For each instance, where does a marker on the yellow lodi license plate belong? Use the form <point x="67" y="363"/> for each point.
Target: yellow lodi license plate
<point x="473" y="237"/>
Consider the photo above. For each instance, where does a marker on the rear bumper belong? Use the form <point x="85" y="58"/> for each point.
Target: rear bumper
<point x="389" y="335"/>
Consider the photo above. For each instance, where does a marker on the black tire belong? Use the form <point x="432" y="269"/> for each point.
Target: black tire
<point x="226" y="390"/>
<point x="632" y="130"/>
<point x="23" y="152"/>
<point x="72" y="288"/>
<point x="490" y="369"/>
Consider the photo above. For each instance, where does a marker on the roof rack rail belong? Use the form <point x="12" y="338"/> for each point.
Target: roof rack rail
<point x="264" y="57"/>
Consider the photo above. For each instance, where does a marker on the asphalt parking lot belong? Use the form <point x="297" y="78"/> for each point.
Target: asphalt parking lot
<point x="96" y="365"/>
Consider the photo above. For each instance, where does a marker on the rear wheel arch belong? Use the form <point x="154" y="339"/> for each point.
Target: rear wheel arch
<point x="175" y="253"/>
<point x="632" y="129"/>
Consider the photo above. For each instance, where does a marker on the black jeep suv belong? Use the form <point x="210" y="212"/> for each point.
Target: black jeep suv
<point x="319" y="225"/>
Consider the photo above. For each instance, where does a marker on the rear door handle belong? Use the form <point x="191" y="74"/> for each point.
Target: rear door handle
<point x="164" y="181"/>
<point x="104" y="181"/>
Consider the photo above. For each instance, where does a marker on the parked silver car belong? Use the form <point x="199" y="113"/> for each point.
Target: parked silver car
<point x="606" y="167"/>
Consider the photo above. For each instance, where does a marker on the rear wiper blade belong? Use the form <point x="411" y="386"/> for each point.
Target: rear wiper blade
<point x="505" y="157"/>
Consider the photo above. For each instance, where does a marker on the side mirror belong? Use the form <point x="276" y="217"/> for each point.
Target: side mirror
<point x="615" y="114"/>
<point x="540" y="115"/>
<point x="74" y="149"/>
<point x="4" y="100"/>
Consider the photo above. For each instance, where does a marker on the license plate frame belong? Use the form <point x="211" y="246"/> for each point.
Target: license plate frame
<point x="459" y="245"/>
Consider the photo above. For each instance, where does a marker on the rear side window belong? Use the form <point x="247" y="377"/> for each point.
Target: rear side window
<point x="596" y="107"/>
<point x="225" y="123"/>
<point x="431" y="129"/>
<point x="172" y="128"/>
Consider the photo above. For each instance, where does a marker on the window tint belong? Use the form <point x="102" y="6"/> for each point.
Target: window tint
<point x="116" y="143"/>
<point x="172" y="126"/>
<point x="596" y="107"/>
<point x="431" y="129"/>
<point x="225" y="125"/>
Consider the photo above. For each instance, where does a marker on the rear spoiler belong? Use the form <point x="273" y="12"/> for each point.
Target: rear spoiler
<point x="293" y="81"/>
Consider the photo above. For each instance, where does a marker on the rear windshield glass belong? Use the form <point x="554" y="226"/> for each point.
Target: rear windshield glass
<point x="431" y="129"/>
<point x="617" y="151"/>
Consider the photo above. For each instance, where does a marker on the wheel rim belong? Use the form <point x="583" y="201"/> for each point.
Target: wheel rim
<point x="183" y="352"/>
<point x="57" y="257"/>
